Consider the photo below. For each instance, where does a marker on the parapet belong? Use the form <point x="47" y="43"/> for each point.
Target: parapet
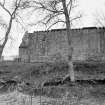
<point x="77" y="30"/>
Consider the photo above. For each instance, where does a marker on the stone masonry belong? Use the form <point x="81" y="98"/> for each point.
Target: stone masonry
<point x="88" y="43"/>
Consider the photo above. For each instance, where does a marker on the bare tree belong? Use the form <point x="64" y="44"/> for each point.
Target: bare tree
<point x="13" y="14"/>
<point x="100" y="19"/>
<point x="57" y="11"/>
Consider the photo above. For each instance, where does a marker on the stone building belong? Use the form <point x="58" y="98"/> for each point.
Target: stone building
<point x="88" y="43"/>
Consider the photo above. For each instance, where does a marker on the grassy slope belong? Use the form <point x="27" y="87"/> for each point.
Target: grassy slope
<point x="44" y="70"/>
<point x="81" y="94"/>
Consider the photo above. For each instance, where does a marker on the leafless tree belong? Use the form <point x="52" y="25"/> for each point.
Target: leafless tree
<point x="13" y="15"/>
<point x="57" y="11"/>
<point x="99" y="19"/>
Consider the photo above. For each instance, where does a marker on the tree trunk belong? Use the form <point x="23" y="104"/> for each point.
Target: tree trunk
<point x="6" y="37"/>
<point x="69" y="37"/>
<point x="1" y="51"/>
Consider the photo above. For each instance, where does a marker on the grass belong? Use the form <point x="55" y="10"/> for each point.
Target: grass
<point x="61" y="95"/>
<point x="78" y="94"/>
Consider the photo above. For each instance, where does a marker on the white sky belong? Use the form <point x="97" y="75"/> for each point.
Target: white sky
<point x="89" y="9"/>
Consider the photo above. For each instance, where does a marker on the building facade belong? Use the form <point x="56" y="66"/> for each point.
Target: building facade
<point x="88" y="43"/>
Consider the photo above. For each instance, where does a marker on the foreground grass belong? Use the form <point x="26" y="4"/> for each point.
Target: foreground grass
<point x="58" y="95"/>
<point x="37" y="73"/>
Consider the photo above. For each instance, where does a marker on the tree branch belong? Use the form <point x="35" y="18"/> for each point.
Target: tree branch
<point x="59" y="21"/>
<point x="51" y="17"/>
<point x="78" y="17"/>
<point x="42" y="6"/>
<point x="70" y="3"/>
<point x="2" y="5"/>
<point x="17" y="4"/>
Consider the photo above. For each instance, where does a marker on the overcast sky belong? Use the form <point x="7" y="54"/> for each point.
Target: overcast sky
<point x="89" y="8"/>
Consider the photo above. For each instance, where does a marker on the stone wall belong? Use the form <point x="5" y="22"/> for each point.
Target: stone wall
<point x="48" y="45"/>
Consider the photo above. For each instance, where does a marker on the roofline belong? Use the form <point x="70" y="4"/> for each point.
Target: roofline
<point x="63" y="29"/>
